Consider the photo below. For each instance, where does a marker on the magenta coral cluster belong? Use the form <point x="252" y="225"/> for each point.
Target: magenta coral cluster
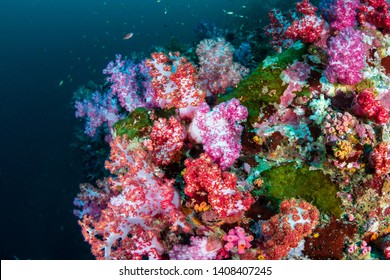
<point x="347" y="54"/>
<point x="238" y="240"/>
<point x="342" y="14"/>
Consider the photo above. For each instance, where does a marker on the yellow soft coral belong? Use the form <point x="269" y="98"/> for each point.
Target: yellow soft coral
<point x="258" y="140"/>
<point x="342" y="149"/>
<point x="202" y="207"/>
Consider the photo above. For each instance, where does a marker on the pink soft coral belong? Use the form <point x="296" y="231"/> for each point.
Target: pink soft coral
<point x="174" y="82"/>
<point x="219" y="131"/>
<point x="201" y="248"/>
<point x="123" y="79"/>
<point x="347" y="54"/>
<point x="143" y="203"/>
<point x="217" y="70"/>
<point x="237" y="238"/>
<point x="295" y="75"/>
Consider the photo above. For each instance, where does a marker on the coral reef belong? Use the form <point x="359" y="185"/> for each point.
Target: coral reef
<point x="209" y="156"/>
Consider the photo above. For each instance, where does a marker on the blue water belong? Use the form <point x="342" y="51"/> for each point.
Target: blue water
<point x="48" y="49"/>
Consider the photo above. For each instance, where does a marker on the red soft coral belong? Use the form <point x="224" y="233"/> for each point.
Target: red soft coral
<point x="166" y="140"/>
<point x="368" y="106"/>
<point x="285" y="230"/>
<point x="202" y="175"/>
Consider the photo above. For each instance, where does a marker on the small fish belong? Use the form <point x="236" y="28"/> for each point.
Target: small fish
<point x="128" y="36"/>
<point x="61" y="82"/>
<point x="227" y="12"/>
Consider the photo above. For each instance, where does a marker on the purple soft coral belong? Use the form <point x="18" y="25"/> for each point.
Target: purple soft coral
<point x="100" y="109"/>
<point x="131" y="83"/>
<point x="124" y="83"/>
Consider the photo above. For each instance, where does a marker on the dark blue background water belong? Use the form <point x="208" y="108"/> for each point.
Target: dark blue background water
<point x="43" y="43"/>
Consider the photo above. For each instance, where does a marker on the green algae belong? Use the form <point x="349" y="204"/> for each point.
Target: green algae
<point x="136" y="124"/>
<point x="264" y="85"/>
<point x="287" y="181"/>
<point x="305" y="92"/>
<point x="365" y="84"/>
<point x="165" y="113"/>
